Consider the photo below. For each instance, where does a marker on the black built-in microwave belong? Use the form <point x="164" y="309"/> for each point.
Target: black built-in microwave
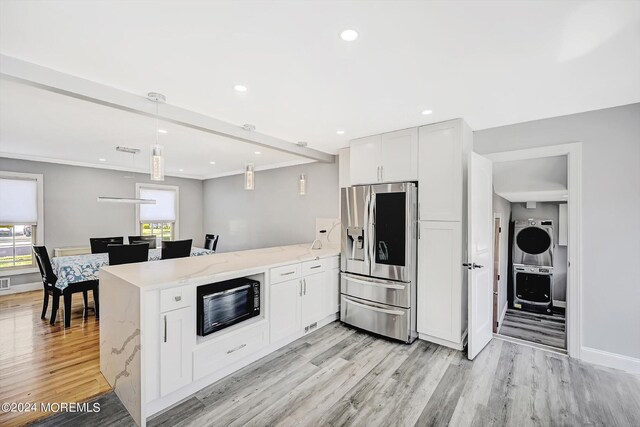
<point x="223" y="304"/>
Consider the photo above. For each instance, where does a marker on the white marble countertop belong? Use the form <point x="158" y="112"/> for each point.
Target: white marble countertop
<point x="197" y="270"/>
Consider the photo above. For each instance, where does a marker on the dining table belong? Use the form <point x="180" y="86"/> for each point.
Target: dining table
<point x="81" y="268"/>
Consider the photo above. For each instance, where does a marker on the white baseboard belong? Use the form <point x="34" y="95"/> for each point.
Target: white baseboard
<point x="446" y="343"/>
<point x="611" y="360"/>
<point x="26" y="287"/>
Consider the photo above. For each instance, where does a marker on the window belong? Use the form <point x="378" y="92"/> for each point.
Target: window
<point x="21" y="219"/>
<point x="161" y="218"/>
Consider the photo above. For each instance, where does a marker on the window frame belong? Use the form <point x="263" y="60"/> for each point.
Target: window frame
<point x="39" y="226"/>
<point x="176" y="223"/>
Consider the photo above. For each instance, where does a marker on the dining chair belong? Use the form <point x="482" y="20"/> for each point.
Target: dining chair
<point x="176" y="249"/>
<point x="49" y="280"/>
<point x="151" y="240"/>
<point x="99" y="244"/>
<point x="128" y="254"/>
<point x="211" y="241"/>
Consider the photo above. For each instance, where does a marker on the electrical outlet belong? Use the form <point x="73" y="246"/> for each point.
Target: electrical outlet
<point x="5" y="283"/>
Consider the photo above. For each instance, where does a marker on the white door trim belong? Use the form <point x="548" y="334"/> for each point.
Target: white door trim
<point x="498" y="215"/>
<point x="573" y="151"/>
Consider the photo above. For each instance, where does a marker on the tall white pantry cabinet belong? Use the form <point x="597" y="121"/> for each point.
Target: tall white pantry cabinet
<point x="436" y="156"/>
<point x="444" y="150"/>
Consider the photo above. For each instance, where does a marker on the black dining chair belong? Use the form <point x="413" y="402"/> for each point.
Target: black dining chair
<point x="211" y="241"/>
<point x="99" y="244"/>
<point x="49" y="280"/>
<point x="128" y="254"/>
<point x="151" y="240"/>
<point x="176" y="249"/>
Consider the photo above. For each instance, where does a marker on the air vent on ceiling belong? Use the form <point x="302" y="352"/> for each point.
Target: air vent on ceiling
<point x="5" y="283"/>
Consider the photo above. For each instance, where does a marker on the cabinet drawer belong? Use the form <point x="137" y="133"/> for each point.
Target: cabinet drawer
<point x="286" y="272"/>
<point x="218" y="354"/>
<point x="174" y="298"/>
<point x="313" y="267"/>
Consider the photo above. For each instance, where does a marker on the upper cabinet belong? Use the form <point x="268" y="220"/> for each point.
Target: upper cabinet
<point x="443" y="150"/>
<point x="390" y="157"/>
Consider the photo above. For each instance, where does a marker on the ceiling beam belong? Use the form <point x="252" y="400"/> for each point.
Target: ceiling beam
<point x="87" y="90"/>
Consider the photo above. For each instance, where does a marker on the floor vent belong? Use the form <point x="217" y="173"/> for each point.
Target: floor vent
<point x="5" y="283"/>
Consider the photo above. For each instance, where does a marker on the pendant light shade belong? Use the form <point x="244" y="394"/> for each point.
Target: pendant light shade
<point x="157" y="157"/>
<point x="302" y="184"/>
<point x="249" y="176"/>
<point x="157" y="163"/>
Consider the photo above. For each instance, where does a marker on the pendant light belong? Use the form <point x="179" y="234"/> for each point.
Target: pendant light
<point x="302" y="184"/>
<point x="157" y="155"/>
<point x="249" y="175"/>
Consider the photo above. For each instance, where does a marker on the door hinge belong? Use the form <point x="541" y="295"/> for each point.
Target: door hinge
<point x="498" y="277"/>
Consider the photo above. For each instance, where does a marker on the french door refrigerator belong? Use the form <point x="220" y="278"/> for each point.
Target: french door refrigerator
<point x="379" y="262"/>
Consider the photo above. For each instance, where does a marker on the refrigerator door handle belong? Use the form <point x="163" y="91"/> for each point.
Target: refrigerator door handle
<point x="371" y="230"/>
<point x="365" y="230"/>
<point x="381" y="283"/>
<point x="374" y="308"/>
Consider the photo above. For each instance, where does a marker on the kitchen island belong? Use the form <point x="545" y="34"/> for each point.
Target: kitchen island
<point x="150" y="349"/>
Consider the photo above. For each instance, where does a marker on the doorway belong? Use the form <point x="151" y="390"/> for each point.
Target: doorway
<point x="531" y="247"/>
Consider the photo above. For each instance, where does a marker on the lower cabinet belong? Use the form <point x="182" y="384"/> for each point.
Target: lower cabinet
<point x="441" y="287"/>
<point x="299" y="303"/>
<point x="285" y="309"/>
<point x="175" y="349"/>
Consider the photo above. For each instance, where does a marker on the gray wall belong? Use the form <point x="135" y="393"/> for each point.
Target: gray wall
<point x="72" y="214"/>
<point x="548" y="210"/>
<point x="610" y="214"/>
<point x="503" y="207"/>
<point x="273" y="214"/>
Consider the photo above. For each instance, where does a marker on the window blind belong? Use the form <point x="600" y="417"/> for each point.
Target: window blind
<point x="18" y="201"/>
<point x="165" y="208"/>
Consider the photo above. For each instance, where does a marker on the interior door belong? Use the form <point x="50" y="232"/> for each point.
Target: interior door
<point x="480" y="253"/>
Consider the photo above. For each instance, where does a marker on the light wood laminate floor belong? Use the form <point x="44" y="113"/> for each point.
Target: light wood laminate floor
<point x="338" y="376"/>
<point x="537" y="328"/>
<point x="40" y="363"/>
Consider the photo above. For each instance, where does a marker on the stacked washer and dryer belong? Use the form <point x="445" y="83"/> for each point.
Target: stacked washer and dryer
<point x="533" y="265"/>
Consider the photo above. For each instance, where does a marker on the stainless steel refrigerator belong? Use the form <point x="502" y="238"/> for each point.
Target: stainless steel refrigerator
<point x="379" y="262"/>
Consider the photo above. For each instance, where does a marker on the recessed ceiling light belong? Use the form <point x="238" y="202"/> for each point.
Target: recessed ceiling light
<point x="162" y="131"/>
<point x="426" y="112"/>
<point x="349" y="35"/>
<point x="340" y="132"/>
<point x="257" y="152"/>
<point x="102" y="160"/>
<point x="212" y="162"/>
<point x="240" y="88"/>
<point x="180" y="170"/>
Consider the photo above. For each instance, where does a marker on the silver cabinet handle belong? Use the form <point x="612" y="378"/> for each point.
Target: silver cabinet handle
<point x="383" y="284"/>
<point x="300" y="287"/>
<point x="165" y="328"/>
<point x="381" y="173"/>
<point x="315" y="266"/>
<point x="378" y="309"/>
<point x="287" y="273"/>
<point x="178" y="298"/>
<point x="305" y="286"/>
<point x="240" y="347"/>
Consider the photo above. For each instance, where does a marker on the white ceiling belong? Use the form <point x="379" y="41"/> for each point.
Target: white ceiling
<point x="533" y="180"/>
<point x="40" y="125"/>
<point x="490" y="62"/>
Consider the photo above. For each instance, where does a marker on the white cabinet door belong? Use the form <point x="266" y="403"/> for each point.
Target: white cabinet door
<point x="285" y="308"/>
<point x="440" y="175"/>
<point x="175" y="349"/>
<point x="399" y="156"/>
<point x="313" y="295"/>
<point x="332" y="292"/>
<point x="364" y="160"/>
<point x="440" y="279"/>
